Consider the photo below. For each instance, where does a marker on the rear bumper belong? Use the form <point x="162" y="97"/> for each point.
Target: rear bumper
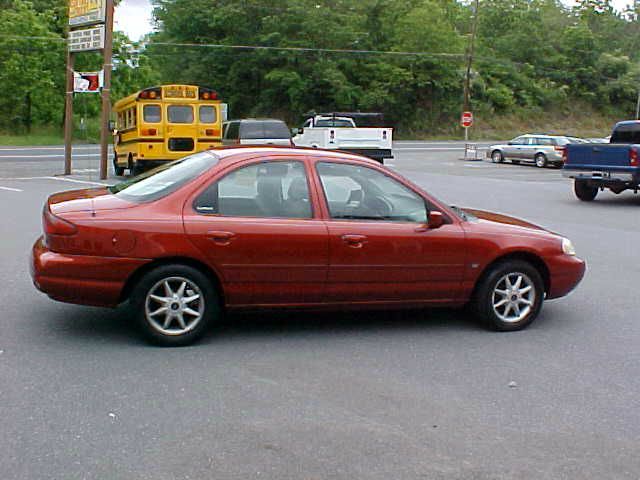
<point x="80" y="279"/>
<point x="600" y="176"/>
<point x="565" y="272"/>
<point x="376" y="154"/>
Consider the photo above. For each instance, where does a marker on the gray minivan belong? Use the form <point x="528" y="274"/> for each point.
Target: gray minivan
<point x="256" y="131"/>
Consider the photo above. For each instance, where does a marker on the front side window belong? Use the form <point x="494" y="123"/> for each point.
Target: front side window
<point x="207" y="114"/>
<point x="180" y="113"/>
<point x="152" y="113"/>
<point x="267" y="189"/>
<point x="519" y="141"/>
<point x="362" y="193"/>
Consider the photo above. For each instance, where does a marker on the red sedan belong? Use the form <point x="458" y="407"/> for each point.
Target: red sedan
<point x="246" y="228"/>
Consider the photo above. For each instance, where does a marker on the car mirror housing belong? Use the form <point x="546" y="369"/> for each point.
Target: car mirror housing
<point x="436" y="220"/>
<point x="297" y="131"/>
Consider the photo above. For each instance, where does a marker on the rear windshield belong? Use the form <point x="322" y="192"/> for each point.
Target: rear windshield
<point x="626" y="134"/>
<point x="333" y="123"/>
<point x="180" y="114"/>
<point x="256" y="130"/>
<point x="163" y="180"/>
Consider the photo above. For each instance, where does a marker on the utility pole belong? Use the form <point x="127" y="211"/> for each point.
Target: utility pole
<point x="467" y="79"/>
<point x="638" y="106"/>
<point x="106" y="90"/>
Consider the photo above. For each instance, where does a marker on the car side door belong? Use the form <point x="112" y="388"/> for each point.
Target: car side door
<point x="258" y="227"/>
<point x="512" y="149"/>
<point x="381" y="249"/>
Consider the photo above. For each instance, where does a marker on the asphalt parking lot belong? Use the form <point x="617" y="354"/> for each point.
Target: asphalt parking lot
<point x="387" y="395"/>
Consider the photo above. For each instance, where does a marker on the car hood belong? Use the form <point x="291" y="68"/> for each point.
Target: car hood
<point x="518" y="226"/>
<point x="89" y="199"/>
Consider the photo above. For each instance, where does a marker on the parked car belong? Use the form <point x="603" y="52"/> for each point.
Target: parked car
<point x="542" y="150"/>
<point x="615" y="165"/>
<point x="342" y="131"/>
<point x="248" y="228"/>
<point x="256" y="131"/>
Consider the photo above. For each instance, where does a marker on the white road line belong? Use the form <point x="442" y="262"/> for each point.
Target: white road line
<point x="11" y="189"/>
<point x="22" y="149"/>
<point x="73" y="180"/>
<point x="427" y="148"/>
<point x="62" y="179"/>
<point x="97" y="154"/>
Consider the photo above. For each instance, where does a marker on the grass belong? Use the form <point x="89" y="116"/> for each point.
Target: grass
<point x="578" y="121"/>
<point x="52" y="136"/>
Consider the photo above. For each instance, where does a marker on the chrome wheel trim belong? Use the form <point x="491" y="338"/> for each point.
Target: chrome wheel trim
<point x="174" y="306"/>
<point x="513" y="297"/>
<point x="496" y="157"/>
<point x="540" y="161"/>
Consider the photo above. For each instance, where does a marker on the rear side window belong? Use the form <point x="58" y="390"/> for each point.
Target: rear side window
<point x="267" y="190"/>
<point x="544" y="141"/>
<point x="180" y="113"/>
<point x="152" y="113"/>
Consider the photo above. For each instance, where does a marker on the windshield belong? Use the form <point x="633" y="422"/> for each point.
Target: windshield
<point x="163" y="180"/>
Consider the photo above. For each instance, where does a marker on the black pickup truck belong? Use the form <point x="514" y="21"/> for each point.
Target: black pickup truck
<point x="614" y="165"/>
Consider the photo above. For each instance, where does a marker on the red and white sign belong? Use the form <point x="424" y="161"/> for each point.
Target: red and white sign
<point x="467" y="119"/>
<point x="88" y="82"/>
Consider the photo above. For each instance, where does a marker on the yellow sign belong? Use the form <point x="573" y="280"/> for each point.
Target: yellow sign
<point x="86" y="12"/>
<point x="180" y="91"/>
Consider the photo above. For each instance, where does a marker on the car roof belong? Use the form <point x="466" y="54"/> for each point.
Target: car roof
<point x="231" y="152"/>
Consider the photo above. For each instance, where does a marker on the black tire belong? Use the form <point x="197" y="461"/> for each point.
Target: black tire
<point x="119" y="171"/>
<point x="137" y="169"/>
<point x="498" y="317"/>
<point x="176" y="332"/>
<point x="497" y="157"/>
<point x="130" y="164"/>
<point x="541" y="160"/>
<point x="584" y="191"/>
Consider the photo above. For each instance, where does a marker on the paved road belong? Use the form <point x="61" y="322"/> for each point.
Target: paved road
<point x="364" y="396"/>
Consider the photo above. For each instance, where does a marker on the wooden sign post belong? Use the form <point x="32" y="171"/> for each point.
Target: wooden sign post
<point x="90" y="29"/>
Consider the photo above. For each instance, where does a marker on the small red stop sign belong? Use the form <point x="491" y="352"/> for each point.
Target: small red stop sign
<point x="467" y="119"/>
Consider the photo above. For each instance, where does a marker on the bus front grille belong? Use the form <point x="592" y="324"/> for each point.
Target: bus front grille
<point x="181" y="144"/>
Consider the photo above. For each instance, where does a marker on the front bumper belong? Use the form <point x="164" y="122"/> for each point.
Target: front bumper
<point x="565" y="273"/>
<point x="80" y="279"/>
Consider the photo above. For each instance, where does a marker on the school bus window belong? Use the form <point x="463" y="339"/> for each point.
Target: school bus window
<point x="152" y="113"/>
<point x="207" y="114"/>
<point x="180" y="114"/>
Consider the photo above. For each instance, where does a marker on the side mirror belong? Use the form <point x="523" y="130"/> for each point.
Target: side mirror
<point x="509" y="143"/>
<point x="436" y="220"/>
<point x="296" y="131"/>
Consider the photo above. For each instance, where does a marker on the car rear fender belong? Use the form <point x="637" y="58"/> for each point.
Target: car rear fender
<point x="135" y="277"/>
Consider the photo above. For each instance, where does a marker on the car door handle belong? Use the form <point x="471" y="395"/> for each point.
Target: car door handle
<point x="354" y="241"/>
<point x="221" y="238"/>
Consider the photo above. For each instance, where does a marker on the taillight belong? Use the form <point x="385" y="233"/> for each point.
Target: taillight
<point x="212" y="132"/>
<point x="634" y="161"/>
<point x="54" y="225"/>
<point x="563" y="150"/>
<point x="149" y="131"/>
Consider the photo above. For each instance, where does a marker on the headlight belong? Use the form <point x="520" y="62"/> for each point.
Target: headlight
<point x="567" y="247"/>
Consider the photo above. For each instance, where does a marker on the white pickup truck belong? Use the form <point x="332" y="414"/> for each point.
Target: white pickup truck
<point x="341" y="132"/>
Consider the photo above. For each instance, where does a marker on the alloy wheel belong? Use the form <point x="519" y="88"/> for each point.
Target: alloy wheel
<point x="174" y="306"/>
<point x="514" y="296"/>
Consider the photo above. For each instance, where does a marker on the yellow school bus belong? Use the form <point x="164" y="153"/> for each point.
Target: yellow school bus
<point x="164" y="123"/>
